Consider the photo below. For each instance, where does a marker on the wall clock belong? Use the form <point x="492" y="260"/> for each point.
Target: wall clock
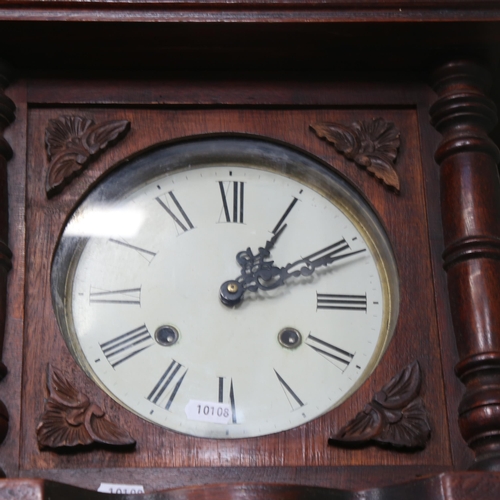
<point x="439" y="232"/>
<point x="292" y="158"/>
<point x="226" y="288"/>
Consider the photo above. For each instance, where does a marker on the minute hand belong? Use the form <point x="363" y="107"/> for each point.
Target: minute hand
<point x="307" y="265"/>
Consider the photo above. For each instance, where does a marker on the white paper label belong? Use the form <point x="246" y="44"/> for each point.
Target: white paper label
<point x="131" y="489"/>
<point x="208" y="411"/>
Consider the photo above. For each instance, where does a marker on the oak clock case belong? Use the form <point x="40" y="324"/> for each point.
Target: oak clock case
<point x="226" y="288"/>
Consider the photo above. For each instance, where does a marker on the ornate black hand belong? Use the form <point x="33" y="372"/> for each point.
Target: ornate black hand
<point x="307" y="265"/>
<point x="253" y="269"/>
<point x="264" y="275"/>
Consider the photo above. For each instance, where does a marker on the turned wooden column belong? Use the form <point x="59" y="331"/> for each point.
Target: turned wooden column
<point x="470" y="204"/>
<point x="6" y="118"/>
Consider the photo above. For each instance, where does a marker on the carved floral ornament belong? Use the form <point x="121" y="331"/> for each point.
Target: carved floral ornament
<point x="72" y="143"/>
<point x="370" y="144"/>
<point x="396" y="416"/>
<point x="70" y="419"/>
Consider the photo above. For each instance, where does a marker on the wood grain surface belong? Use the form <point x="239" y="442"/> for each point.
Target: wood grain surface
<point x="447" y="486"/>
<point x="470" y="200"/>
<point x="251" y="10"/>
<point x="14" y="327"/>
<point x="7" y="116"/>
<point x="416" y="334"/>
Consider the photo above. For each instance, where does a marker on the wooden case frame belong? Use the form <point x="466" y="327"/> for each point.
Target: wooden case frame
<point x="450" y="198"/>
<point x="282" y="120"/>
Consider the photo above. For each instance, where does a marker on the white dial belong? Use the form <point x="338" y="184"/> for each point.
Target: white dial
<point x="226" y="299"/>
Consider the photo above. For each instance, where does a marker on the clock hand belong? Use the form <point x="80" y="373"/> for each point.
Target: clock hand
<point x="252" y="267"/>
<point x="247" y="260"/>
<point x="307" y="265"/>
<point x="266" y="276"/>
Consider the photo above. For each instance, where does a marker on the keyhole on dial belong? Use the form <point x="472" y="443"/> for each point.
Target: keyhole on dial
<point x="166" y="335"/>
<point x="289" y="338"/>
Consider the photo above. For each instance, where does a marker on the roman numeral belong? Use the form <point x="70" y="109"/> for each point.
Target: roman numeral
<point x="127" y="345"/>
<point x="338" y="357"/>
<point x="294" y="401"/>
<point x="233" y="200"/>
<point x="145" y="254"/>
<point x="221" y="390"/>
<point x="331" y="252"/>
<point x="284" y="216"/>
<point x="164" y="392"/>
<point x="127" y="296"/>
<point x="231" y="400"/>
<point x="181" y="219"/>
<point x="347" y="302"/>
<point x="231" y="397"/>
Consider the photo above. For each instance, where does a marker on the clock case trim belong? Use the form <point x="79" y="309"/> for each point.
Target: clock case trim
<point x="251" y="11"/>
<point x="366" y="180"/>
<point x="71" y="419"/>
<point x="72" y="143"/>
<point x="445" y="486"/>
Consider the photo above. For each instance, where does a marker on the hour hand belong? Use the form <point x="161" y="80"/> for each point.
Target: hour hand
<point x="254" y="270"/>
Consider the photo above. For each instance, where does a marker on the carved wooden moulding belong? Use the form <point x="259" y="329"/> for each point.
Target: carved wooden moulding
<point x="7" y="116"/>
<point x="396" y="416"/>
<point x="370" y="144"/>
<point x="73" y="142"/>
<point x="70" y="419"/>
<point x="468" y="160"/>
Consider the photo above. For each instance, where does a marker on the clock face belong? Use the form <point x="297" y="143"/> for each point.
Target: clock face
<point x="225" y="288"/>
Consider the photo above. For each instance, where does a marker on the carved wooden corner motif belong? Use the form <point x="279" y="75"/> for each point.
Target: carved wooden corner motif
<point x="72" y="143"/>
<point x="70" y="419"/>
<point x="370" y="144"/>
<point x="395" y="417"/>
